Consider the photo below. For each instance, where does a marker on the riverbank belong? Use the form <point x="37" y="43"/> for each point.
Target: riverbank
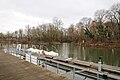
<point x="13" y="68"/>
<point x="87" y="43"/>
<point x="100" y="44"/>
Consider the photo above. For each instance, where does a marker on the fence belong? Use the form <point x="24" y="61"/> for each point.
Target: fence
<point x="39" y="60"/>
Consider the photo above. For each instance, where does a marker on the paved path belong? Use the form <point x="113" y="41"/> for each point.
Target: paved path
<point x="13" y="68"/>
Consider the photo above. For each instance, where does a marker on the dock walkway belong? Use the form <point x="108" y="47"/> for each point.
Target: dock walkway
<point x="13" y="68"/>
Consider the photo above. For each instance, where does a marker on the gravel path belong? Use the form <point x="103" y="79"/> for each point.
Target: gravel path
<point x="13" y="68"/>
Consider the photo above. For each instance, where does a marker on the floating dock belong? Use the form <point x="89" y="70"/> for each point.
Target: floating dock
<point x="91" y="65"/>
<point x="86" y="69"/>
<point x="81" y="70"/>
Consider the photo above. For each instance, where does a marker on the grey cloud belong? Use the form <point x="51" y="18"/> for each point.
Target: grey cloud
<point x="68" y="10"/>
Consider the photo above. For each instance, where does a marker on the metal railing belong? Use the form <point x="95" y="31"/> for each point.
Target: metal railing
<point x="43" y="61"/>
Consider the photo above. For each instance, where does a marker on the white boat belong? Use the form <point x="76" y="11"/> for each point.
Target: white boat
<point x="51" y="53"/>
<point x="30" y="49"/>
<point x="42" y="52"/>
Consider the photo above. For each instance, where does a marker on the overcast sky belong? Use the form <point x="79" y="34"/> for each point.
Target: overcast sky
<point x="15" y="14"/>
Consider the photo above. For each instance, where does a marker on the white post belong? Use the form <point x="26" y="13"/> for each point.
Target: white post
<point x="5" y="50"/>
<point x="30" y="58"/>
<point x="99" y="66"/>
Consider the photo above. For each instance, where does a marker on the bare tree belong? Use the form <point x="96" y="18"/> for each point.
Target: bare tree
<point x="115" y="8"/>
<point x="100" y="15"/>
<point x="110" y="23"/>
<point x="28" y="34"/>
<point x="20" y="31"/>
<point x="57" y="22"/>
<point x="86" y="21"/>
<point x="100" y="18"/>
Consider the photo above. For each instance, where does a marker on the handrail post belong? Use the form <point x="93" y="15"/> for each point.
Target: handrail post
<point x="45" y="63"/>
<point x="57" y="68"/>
<point x="97" y="75"/>
<point x="38" y="61"/>
<point x="30" y="58"/>
<point x="99" y="66"/>
<point x="73" y="72"/>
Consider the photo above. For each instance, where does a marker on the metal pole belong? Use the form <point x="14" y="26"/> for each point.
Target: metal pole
<point x="38" y="61"/>
<point x="45" y="63"/>
<point x="85" y="78"/>
<point x="57" y="68"/>
<point x="98" y="76"/>
<point x="30" y="58"/>
<point x="73" y="72"/>
<point x="99" y="66"/>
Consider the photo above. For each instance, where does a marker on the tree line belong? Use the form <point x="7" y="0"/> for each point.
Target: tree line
<point x="105" y="27"/>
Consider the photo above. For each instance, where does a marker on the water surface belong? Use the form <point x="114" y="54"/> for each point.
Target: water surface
<point x="111" y="56"/>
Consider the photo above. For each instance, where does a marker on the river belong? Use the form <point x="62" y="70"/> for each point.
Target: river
<point x="110" y="56"/>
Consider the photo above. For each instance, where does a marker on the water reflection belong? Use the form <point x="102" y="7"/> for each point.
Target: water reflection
<point x="67" y="50"/>
<point x="110" y="56"/>
<point x="64" y="50"/>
